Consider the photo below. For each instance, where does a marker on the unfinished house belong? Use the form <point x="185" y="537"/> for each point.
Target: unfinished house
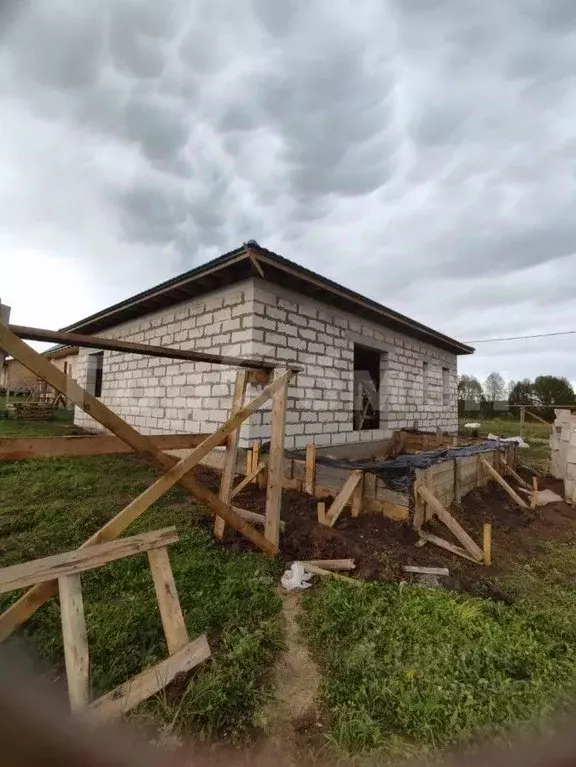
<point x="365" y="370"/>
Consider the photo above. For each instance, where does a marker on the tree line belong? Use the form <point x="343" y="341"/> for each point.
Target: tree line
<point x="498" y="398"/>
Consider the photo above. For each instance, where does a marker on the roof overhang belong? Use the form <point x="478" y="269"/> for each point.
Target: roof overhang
<point x="249" y="261"/>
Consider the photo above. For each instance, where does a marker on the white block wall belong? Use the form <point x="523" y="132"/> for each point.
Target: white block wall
<point x="257" y="319"/>
<point x="319" y="338"/>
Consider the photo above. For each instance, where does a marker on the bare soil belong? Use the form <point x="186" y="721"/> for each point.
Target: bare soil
<point x="381" y="546"/>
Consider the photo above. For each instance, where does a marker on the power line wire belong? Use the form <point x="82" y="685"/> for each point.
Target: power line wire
<point x="521" y="338"/>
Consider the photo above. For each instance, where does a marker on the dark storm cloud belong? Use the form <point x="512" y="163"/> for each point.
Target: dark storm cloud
<point x="421" y="152"/>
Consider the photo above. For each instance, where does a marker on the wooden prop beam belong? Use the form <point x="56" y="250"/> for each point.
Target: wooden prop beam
<point x="534" y="498"/>
<point x="43" y="368"/>
<point x="128" y="695"/>
<point x="455" y="528"/>
<point x="231" y="455"/>
<point x="514" y="473"/>
<point x="76" y="653"/>
<point x="276" y="459"/>
<point x="78" y="561"/>
<point x="332" y="564"/>
<point x="247" y="480"/>
<point x="487" y="540"/>
<point x="309" y="568"/>
<point x="131" y="347"/>
<point x="343" y="497"/>
<point x="502" y="482"/>
<point x="19" y="448"/>
<point x="253" y="516"/>
<point x="437" y="541"/>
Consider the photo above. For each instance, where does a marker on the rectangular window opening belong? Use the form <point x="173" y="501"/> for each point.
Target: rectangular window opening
<point x="366" y="403"/>
<point x="94" y="374"/>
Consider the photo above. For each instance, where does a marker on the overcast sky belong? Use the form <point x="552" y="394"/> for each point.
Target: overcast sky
<point x="422" y="152"/>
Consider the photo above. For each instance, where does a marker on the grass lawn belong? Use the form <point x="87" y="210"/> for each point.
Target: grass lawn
<point x="536" y="434"/>
<point x="410" y="670"/>
<point x="51" y="505"/>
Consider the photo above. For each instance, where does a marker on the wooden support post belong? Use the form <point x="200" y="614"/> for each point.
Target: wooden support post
<point x="522" y="420"/>
<point x="455" y="528"/>
<point x="310" y="476"/>
<point x="321" y="511"/>
<point x="357" y="497"/>
<point x="255" y="455"/>
<point x="457" y="483"/>
<point x="168" y="602"/>
<point x="343" y="497"/>
<point x="487" y="550"/>
<point x="534" y="499"/>
<point x="75" y="642"/>
<point x="231" y="456"/>
<point x="502" y="482"/>
<point x="276" y="464"/>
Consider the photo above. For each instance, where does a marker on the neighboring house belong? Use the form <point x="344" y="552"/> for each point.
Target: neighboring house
<point x="366" y="370"/>
<point x="16" y="377"/>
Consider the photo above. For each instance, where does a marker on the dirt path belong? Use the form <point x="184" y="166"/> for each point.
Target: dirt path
<point x="296" y="682"/>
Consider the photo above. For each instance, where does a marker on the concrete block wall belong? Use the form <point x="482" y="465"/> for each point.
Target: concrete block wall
<point x="563" y="451"/>
<point x="163" y="396"/>
<point x="291" y="327"/>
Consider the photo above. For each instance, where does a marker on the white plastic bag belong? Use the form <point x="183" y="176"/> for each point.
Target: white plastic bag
<point x="296" y="577"/>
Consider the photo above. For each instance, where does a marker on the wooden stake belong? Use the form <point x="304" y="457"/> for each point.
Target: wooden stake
<point x="502" y="482"/>
<point x="168" y="602"/>
<point x="310" y="476"/>
<point x="76" y="652"/>
<point x="487" y="544"/>
<point x="522" y="420"/>
<point x="255" y="455"/>
<point x="357" y="497"/>
<point x="276" y="462"/>
<point x="534" y="499"/>
<point x="321" y="510"/>
<point x="231" y="455"/>
<point x="437" y="541"/>
<point x="343" y="497"/>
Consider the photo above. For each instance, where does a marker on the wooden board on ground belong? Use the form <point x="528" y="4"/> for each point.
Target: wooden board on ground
<point x="74" y="639"/>
<point x="122" y="699"/>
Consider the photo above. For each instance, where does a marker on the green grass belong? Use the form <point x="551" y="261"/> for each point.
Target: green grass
<point x="506" y="427"/>
<point x="411" y="670"/>
<point x="52" y="505"/>
<point x="61" y="424"/>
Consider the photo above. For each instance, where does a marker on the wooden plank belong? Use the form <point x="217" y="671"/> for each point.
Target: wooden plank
<point x="76" y="654"/>
<point x="310" y="478"/>
<point x="502" y="482"/>
<point x="276" y="461"/>
<point x="122" y="699"/>
<point x="515" y="474"/>
<point x="426" y="570"/>
<point x="487" y="541"/>
<point x="357" y="496"/>
<point x="330" y="574"/>
<point x="332" y="564"/>
<point x="131" y="347"/>
<point x="370" y="481"/>
<point x="231" y="455"/>
<point x="19" y="448"/>
<point x="343" y="497"/>
<point x="256" y="457"/>
<point x="168" y="602"/>
<point x="78" y="561"/>
<point x="247" y="480"/>
<point x="437" y="541"/>
<point x="534" y="499"/>
<point x="455" y="528"/>
<point x="43" y="368"/>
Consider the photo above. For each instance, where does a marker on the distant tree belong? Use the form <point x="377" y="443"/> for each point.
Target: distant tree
<point x="495" y="387"/>
<point x="469" y="389"/>
<point x="551" y="391"/>
<point x="522" y="393"/>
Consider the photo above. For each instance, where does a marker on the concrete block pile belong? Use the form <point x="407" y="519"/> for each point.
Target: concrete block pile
<point x="563" y="451"/>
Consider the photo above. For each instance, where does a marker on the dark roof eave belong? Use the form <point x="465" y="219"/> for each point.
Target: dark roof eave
<point x="233" y="267"/>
